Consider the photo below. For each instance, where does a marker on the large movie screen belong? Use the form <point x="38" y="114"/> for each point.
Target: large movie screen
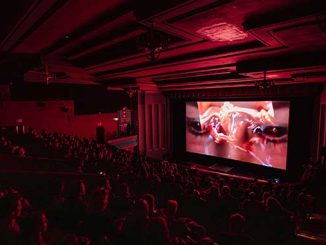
<point x="246" y="131"/>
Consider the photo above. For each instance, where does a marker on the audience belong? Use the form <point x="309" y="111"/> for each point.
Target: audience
<point x="142" y="201"/>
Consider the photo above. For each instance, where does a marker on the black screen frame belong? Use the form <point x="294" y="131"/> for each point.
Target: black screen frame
<point x="304" y="116"/>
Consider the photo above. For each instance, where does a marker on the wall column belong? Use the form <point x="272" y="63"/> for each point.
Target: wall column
<point x="155" y="126"/>
<point x="141" y="121"/>
<point x="148" y="126"/>
<point x="162" y="125"/>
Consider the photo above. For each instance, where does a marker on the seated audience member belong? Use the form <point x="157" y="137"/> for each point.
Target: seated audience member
<point x="207" y="241"/>
<point x="10" y="211"/>
<point x="253" y="211"/>
<point x="280" y="228"/>
<point x="99" y="222"/>
<point x="38" y="230"/>
<point x="196" y="231"/>
<point x="135" y="226"/>
<point x="236" y="234"/>
<point x="152" y="205"/>
<point x="171" y="209"/>
<point x="225" y="207"/>
<point x="75" y="207"/>
<point x="122" y="202"/>
<point x="158" y="232"/>
<point x="73" y="239"/>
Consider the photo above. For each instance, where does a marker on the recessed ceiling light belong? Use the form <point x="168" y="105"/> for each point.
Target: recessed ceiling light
<point x="222" y="32"/>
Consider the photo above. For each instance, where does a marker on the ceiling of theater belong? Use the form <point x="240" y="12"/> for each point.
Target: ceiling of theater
<point x="207" y="43"/>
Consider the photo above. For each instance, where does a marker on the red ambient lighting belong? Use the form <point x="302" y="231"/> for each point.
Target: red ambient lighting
<point x="222" y="32"/>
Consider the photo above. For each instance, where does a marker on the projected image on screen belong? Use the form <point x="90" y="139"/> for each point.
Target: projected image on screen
<point x="247" y="131"/>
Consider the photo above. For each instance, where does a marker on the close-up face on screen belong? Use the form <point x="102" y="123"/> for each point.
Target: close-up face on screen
<point x="247" y="131"/>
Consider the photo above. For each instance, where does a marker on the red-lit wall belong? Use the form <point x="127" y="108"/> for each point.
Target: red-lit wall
<point x="51" y="117"/>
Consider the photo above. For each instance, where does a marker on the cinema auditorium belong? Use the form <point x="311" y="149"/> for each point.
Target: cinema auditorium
<point x="163" y="122"/>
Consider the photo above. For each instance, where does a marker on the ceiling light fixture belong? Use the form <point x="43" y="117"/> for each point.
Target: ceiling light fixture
<point x="46" y="75"/>
<point x="153" y="43"/>
<point x="264" y="84"/>
<point x="131" y="91"/>
<point x="222" y="32"/>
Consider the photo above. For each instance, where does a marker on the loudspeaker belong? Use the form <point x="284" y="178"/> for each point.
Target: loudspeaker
<point x="100" y="138"/>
